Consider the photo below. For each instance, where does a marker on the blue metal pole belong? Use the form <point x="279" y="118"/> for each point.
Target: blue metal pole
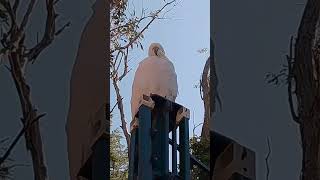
<point x="160" y="145"/>
<point x="132" y="154"/>
<point x="174" y="151"/>
<point x="184" y="151"/>
<point x="144" y="139"/>
<point x="164" y="145"/>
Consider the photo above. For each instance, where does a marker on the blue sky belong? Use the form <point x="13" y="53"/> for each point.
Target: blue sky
<point x="184" y="32"/>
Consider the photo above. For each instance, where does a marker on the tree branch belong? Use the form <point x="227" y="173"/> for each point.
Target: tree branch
<point x="290" y="76"/>
<point x="48" y="35"/>
<point x="15" y="6"/>
<point x="26" y="16"/>
<point x="267" y="159"/>
<point x="195" y="127"/>
<point x="125" y="70"/>
<point x="12" y="16"/>
<point x="115" y="106"/>
<point x="120" y="107"/>
<point x="15" y="141"/>
<point x="63" y="28"/>
<point x="200" y="88"/>
<point x="146" y="27"/>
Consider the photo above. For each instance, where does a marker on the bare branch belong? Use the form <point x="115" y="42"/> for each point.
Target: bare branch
<point x="4" y="140"/>
<point x="15" y="6"/>
<point x="125" y="70"/>
<point x="63" y="28"/>
<point x="195" y="127"/>
<point x="115" y="106"/>
<point x="12" y="16"/>
<point x="121" y="109"/>
<point x="26" y="16"/>
<point x="200" y="87"/>
<point x="5" y="170"/>
<point x="116" y="59"/>
<point x="267" y="159"/>
<point x="8" y="68"/>
<point x="15" y="141"/>
<point x="290" y="76"/>
<point x="48" y="35"/>
<point x="56" y="2"/>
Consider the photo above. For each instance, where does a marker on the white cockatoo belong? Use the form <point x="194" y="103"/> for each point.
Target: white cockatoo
<point x="154" y="75"/>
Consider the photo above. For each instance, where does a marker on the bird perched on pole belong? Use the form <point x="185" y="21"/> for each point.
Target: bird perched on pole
<point x="154" y="75"/>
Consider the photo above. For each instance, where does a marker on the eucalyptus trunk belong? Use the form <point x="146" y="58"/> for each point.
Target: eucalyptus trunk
<point x="205" y="133"/>
<point x="305" y="72"/>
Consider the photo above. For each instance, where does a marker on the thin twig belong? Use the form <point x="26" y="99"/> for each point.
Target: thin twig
<point x="116" y="59"/>
<point x="115" y="106"/>
<point x="63" y="28"/>
<point x="200" y="87"/>
<point x="48" y="34"/>
<point x="15" y="6"/>
<point x="125" y="62"/>
<point x="26" y="16"/>
<point x="195" y="127"/>
<point x="15" y="141"/>
<point x="12" y="16"/>
<point x="4" y="140"/>
<point x="267" y="159"/>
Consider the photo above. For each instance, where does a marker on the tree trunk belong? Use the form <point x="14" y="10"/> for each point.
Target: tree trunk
<point x="310" y="135"/>
<point x="205" y="133"/>
<point x="32" y="134"/>
<point x="306" y="77"/>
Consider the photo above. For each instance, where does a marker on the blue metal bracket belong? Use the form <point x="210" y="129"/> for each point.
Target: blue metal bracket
<point x="149" y="149"/>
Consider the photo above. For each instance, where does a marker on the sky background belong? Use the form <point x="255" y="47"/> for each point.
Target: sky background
<point x="252" y="38"/>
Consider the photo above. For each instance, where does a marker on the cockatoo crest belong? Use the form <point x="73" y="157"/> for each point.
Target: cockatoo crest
<point x="156" y="49"/>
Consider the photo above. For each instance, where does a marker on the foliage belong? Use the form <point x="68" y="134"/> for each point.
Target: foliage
<point x="279" y="78"/>
<point x="200" y="148"/>
<point x="118" y="157"/>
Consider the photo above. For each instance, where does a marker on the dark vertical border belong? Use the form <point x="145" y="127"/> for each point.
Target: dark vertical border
<point x="212" y="55"/>
<point x="108" y="85"/>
